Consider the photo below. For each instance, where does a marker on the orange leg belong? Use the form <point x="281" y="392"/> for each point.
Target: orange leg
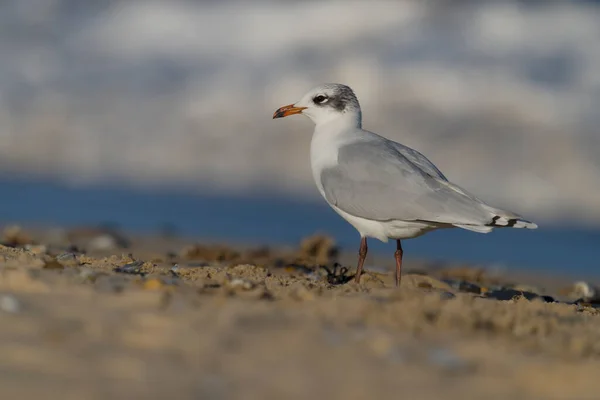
<point x="398" y="256"/>
<point x="362" y="254"/>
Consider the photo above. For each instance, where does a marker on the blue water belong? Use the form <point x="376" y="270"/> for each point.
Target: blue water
<point x="281" y="220"/>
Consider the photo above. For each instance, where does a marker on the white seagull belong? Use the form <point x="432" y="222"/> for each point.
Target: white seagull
<point x="384" y="189"/>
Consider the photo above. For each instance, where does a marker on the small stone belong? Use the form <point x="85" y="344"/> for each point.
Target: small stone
<point x="463" y="286"/>
<point x="10" y="304"/>
<point x="447" y="296"/>
<point x="133" y="268"/>
<point x="67" y="259"/>
<point x="175" y="272"/>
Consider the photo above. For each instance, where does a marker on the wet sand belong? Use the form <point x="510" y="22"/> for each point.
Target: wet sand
<point x="90" y="314"/>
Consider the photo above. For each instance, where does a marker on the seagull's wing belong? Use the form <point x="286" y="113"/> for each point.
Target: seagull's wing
<point x="381" y="180"/>
<point x="418" y="159"/>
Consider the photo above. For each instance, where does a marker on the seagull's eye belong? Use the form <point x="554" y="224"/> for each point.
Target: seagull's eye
<point x="320" y="99"/>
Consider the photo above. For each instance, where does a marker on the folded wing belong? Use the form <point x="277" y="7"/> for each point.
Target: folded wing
<point x="382" y="180"/>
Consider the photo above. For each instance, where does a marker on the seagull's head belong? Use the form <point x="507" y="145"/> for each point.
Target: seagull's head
<point x="325" y="103"/>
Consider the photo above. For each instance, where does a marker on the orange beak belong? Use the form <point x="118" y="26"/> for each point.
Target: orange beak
<point x="287" y="110"/>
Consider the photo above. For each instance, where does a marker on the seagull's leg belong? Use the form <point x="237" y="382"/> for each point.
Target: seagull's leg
<point x="398" y="255"/>
<point x="362" y="254"/>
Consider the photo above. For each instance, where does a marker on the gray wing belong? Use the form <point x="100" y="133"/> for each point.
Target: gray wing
<point x="381" y="180"/>
<point x="418" y="159"/>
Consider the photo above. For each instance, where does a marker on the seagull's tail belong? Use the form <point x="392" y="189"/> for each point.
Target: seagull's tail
<point x="500" y="219"/>
<point x="507" y="219"/>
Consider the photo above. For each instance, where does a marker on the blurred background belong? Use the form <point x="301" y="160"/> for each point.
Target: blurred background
<point x="153" y="114"/>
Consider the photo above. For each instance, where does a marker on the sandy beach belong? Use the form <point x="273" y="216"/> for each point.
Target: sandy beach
<point x="94" y="314"/>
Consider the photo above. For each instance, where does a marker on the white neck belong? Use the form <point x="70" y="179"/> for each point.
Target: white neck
<point x="329" y="134"/>
<point x="340" y="122"/>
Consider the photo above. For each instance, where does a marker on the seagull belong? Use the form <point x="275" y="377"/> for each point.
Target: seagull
<point x="384" y="189"/>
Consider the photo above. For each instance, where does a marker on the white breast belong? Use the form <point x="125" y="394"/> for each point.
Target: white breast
<point x="323" y="154"/>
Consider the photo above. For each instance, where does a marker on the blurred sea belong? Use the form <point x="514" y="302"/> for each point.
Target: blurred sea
<point x="502" y="95"/>
<point x="276" y="220"/>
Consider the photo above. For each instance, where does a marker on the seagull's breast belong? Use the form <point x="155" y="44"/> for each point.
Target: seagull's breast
<point x="324" y="150"/>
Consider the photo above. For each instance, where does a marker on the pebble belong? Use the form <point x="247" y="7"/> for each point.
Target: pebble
<point x="10" y="304"/>
<point x="175" y="270"/>
<point x="463" y="286"/>
<point x="67" y="259"/>
<point x="133" y="268"/>
<point x="447" y="296"/>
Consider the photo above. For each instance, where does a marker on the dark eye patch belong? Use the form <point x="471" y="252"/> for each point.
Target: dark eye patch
<point x="320" y="99"/>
